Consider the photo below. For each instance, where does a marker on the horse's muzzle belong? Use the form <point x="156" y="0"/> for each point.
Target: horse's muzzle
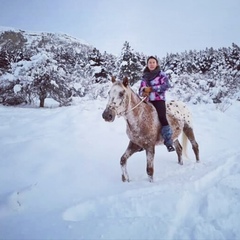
<point x="109" y="115"/>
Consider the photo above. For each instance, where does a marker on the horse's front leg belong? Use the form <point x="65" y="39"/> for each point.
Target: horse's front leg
<point x="150" y="152"/>
<point x="131" y="149"/>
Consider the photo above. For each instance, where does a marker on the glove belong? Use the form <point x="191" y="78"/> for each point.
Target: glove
<point x="146" y="91"/>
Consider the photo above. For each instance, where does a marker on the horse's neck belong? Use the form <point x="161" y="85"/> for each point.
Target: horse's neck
<point x="134" y="100"/>
<point x="135" y="108"/>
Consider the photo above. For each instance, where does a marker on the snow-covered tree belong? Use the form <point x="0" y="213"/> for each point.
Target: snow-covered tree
<point x="48" y="81"/>
<point x="12" y="45"/>
<point x="97" y="67"/>
<point x="130" y="65"/>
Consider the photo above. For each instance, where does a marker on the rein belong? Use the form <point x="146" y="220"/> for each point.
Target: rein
<point x="126" y="112"/>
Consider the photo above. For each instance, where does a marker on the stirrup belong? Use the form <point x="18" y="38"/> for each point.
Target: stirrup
<point x="170" y="148"/>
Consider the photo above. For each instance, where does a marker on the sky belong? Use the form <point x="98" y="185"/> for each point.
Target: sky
<point x="152" y="27"/>
<point x="60" y="177"/>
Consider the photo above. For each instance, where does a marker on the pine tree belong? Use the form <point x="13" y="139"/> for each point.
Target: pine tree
<point x="130" y="65"/>
<point x="97" y="66"/>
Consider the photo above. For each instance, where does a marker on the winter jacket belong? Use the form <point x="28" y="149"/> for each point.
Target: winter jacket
<point x="159" y="84"/>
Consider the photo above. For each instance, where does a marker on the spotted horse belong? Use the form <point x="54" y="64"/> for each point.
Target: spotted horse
<point x="143" y="126"/>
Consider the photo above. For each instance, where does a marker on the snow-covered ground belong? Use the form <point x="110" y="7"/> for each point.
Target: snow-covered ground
<point x="60" y="178"/>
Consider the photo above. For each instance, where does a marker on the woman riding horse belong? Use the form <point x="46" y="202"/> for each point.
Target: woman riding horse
<point x="143" y="125"/>
<point x="153" y="85"/>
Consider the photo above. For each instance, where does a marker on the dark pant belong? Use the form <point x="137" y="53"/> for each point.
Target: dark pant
<point x="161" y="110"/>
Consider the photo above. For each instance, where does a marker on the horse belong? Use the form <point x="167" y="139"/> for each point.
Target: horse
<point x="143" y="125"/>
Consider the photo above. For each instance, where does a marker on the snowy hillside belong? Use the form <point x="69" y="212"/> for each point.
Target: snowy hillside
<point x="61" y="67"/>
<point x="34" y="36"/>
<point x="60" y="178"/>
<point x="49" y="65"/>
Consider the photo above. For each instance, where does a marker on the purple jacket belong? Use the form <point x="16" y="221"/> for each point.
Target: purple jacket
<point x="159" y="86"/>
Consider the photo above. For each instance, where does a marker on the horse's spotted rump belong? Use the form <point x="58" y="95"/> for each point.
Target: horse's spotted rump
<point x="179" y="110"/>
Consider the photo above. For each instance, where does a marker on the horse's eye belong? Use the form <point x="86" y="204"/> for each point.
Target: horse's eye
<point x="121" y="94"/>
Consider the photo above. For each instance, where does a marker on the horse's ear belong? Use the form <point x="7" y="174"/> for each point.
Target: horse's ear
<point x="125" y="81"/>
<point x="113" y="79"/>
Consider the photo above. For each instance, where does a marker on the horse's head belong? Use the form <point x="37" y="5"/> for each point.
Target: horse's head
<point x="118" y="98"/>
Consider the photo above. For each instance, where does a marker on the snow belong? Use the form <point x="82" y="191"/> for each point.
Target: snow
<point x="17" y="88"/>
<point x="60" y="177"/>
<point x="4" y="28"/>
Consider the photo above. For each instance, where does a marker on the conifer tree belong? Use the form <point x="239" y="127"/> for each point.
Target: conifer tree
<point x="97" y="66"/>
<point x="130" y="65"/>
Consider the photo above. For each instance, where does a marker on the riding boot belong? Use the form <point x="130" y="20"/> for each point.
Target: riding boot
<point x="166" y="132"/>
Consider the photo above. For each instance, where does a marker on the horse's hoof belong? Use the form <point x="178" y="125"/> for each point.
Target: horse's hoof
<point x="180" y="163"/>
<point x="150" y="178"/>
<point x="124" y="179"/>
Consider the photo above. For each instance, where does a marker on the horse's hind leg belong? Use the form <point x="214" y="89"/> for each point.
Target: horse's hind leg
<point x="131" y="149"/>
<point x="178" y="148"/>
<point x="150" y="152"/>
<point x="190" y="135"/>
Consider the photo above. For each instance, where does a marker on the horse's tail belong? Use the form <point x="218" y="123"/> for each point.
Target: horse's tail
<point x="184" y="144"/>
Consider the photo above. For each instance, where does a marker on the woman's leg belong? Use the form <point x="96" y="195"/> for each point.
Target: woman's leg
<point x="161" y="111"/>
<point x="166" y="130"/>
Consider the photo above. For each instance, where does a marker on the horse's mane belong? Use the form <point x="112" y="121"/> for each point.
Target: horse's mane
<point x="129" y="89"/>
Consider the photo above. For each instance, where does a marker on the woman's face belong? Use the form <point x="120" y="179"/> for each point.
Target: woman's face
<point x="152" y="64"/>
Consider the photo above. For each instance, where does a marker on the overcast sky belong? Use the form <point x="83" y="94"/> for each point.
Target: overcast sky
<point x="153" y="27"/>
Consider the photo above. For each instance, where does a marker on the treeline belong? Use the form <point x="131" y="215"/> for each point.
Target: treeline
<point x="36" y="66"/>
<point x="207" y="75"/>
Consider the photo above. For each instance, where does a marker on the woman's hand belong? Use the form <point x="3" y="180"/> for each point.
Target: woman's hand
<point x="146" y="91"/>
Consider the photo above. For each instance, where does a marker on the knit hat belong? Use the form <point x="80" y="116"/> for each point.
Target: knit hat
<point x="152" y="57"/>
